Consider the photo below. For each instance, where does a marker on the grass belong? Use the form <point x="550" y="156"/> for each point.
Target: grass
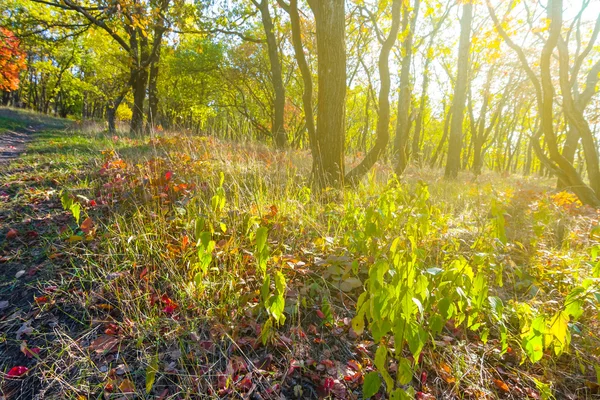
<point x="20" y="120"/>
<point x="129" y="299"/>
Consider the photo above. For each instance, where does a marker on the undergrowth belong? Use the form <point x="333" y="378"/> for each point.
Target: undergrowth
<point x="198" y="268"/>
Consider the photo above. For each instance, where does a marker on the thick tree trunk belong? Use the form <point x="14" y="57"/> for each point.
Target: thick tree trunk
<point x="330" y="18"/>
<point x="139" y="80"/>
<point x="460" y="93"/>
<point x="278" y="128"/>
<point x="383" y="120"/>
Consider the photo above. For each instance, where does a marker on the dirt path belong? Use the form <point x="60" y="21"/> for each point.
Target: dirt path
<point x="17" y="128"/>
<point x="13" y="143"/>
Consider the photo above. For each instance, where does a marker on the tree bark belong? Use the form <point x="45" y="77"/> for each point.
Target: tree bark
<point x="278" y="127"/>
<point x="331" y="68"/>
<point x="152" y="117"/>
<point x="460" y="93"/>
<point x="404" y="96"/>
<point x="307" y="94"/>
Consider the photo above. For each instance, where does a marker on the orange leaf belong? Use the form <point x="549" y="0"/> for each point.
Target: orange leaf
<point x="501" y="385"/>
<point x="127" y="386"/>
<point x="87" y="225"/>
<point x="185" y="242"/>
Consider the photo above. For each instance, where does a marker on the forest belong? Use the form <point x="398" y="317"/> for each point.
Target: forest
<point x="273" y="199"/>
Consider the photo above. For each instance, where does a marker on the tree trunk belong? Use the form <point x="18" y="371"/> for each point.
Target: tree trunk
<point x="139" y="80"/>
<point x="480" y="131"/>
<point x="383" y="120"/>
<point x="330" y="19"/>
<point x="404" y="97"/>
<point x="307" y="94"/>
<point x="416" y="148"/>
<point x="278" y="128"/>
<point x="576" y="120"/>
<point x="460" y="93"/>
<point x="440" y="146"/>
<point x="152" y="118"/>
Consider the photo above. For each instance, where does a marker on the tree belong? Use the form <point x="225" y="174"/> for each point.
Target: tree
<point x="330" y="20"/>
<point x="544" y="90"/>
<point x="278" y="127"/>
<point x="383" y="118"/>
<point x="460" y="93"/>
<point x="12" y="60"/>
<point x="403" y="124"/>
<point x="132" y="18"/>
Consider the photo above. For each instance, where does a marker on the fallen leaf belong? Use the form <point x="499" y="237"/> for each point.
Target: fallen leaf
<point x="12" y="234"/>
<point x="29" y="353"/>
<point x="104" y="344"/>
<point x="87" y="225"/>
<point x="501" y="385"/>
<point x="127" y="386"/>
<point x="25" y="329"/>
<point x="20" y="274"/>
<point x="16" y="372"/>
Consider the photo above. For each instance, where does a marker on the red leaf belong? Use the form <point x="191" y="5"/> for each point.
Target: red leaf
<point x="12" y="234"/>
<point x="168" y="175"/>
<point x="30" y="353"/>
<point x="16" y="372"/>
<point x="423" y="377"/>
<point x="93" y="203"/>
<point x="170" y="305"/>
<point x="328" y="384"/>
<point x="320" y="314"/>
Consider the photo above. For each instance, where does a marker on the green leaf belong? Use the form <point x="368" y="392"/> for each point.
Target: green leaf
<point x="559" y="329"/>
<point x="400" y="394"/>
<point x="76" y="211"/>
<point x="405" y="371"/>
<point x="381" y="364"/>
<point x="151" y="374"/>
<point x="261" y="238"/>
<point x="574" y="303"/>
<point x="436" y="324"/>
<point x="66" y="200"/>
<point x="417" y="337"/>
<point x="266" y="331"/>
<point x="279" y="282"/>
<point x="265" y="289"/>
<point x="371" y="384"/>
<point x="545" y="390"/>
<point x="276" y="305"/>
